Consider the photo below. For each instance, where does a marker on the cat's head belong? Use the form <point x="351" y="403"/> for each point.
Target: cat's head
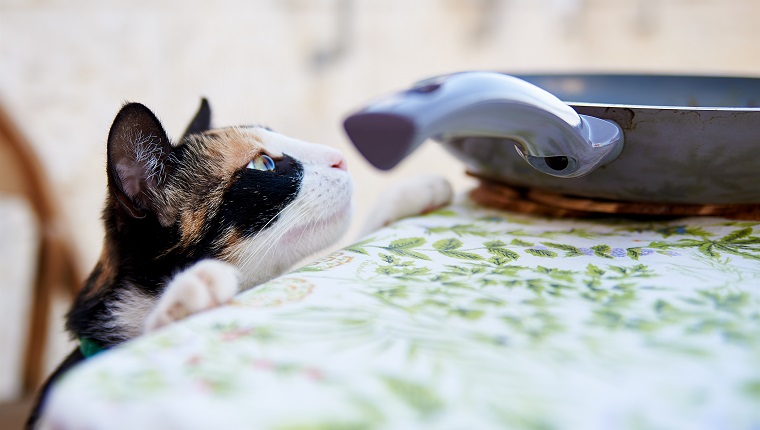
<point x="246" y="195"/>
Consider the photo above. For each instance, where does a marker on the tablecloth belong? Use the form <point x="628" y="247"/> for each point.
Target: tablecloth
<point x="466" y="318"/>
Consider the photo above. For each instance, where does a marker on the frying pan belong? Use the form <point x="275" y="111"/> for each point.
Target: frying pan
<point x="661" y="139"/>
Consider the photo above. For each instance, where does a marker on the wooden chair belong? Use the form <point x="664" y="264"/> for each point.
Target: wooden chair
<point x="22" y="174"/>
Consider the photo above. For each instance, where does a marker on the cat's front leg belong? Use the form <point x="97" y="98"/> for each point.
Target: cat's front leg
<point x="204" y="285"/>
<point x="414" y="196"/>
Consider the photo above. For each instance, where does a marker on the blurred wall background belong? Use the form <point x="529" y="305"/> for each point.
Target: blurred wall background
<point x="299" y="66"/>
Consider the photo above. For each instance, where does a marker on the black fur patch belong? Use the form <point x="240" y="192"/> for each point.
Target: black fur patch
<point x="256" y="197"/>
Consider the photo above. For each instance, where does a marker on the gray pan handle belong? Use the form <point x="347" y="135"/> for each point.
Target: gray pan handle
<point x="546" y="132"/>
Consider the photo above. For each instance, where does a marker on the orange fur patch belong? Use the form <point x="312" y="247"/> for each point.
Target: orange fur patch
<point x="191" y="224"/>
<point x="103" y="275"/>
<point x="222" y="152"/>
<point x="234" y="146"/>
<point x="227" y="243"/>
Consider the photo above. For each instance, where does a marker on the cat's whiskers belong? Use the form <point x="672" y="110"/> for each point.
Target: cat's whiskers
<point x="294" y="218"/>
<point x="309" y="226"/>
<point x="266" y="245"/>
<point x="269" y="237"/>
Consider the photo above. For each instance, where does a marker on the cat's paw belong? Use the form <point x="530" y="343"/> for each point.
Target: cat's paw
<point x="415" y="196"/>
<point x="204" y="285"/>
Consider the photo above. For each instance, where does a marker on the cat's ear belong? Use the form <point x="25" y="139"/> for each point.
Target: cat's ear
<point x="139" y="160"/>
<point x="201" y="122"/>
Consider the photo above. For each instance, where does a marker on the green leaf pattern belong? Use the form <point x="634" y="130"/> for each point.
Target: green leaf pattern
<point x="467" y="318"/>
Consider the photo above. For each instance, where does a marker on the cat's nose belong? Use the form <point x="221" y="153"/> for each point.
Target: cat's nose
<point x="338" y="161"/>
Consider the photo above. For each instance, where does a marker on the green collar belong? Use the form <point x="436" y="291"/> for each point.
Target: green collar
<point x="89" y="347"/>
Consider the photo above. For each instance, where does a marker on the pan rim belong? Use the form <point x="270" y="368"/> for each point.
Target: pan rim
<point x="598" y="78"/>
<point x="663" y="107"/>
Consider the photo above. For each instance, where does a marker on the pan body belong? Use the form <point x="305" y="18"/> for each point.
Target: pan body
<point x="688" y="140"/>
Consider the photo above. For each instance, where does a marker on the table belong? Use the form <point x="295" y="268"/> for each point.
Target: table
<point x="466" y="318"/>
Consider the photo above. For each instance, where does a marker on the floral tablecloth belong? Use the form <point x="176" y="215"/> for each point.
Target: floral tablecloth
<point x="465" y="318"/>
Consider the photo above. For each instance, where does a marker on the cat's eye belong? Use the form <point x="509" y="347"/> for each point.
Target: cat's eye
<point x="261" y="162"/>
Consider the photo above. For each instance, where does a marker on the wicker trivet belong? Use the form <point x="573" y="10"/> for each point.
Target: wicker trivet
<point x="532" y="201"/>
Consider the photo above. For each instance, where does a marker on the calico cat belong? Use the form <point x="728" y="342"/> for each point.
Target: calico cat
<point x="188" y="225"/>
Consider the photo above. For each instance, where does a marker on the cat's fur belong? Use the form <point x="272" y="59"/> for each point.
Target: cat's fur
<point x="188" y="225"/>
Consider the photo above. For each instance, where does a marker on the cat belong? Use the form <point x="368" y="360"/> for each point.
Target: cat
<point x="191" y="224"/>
